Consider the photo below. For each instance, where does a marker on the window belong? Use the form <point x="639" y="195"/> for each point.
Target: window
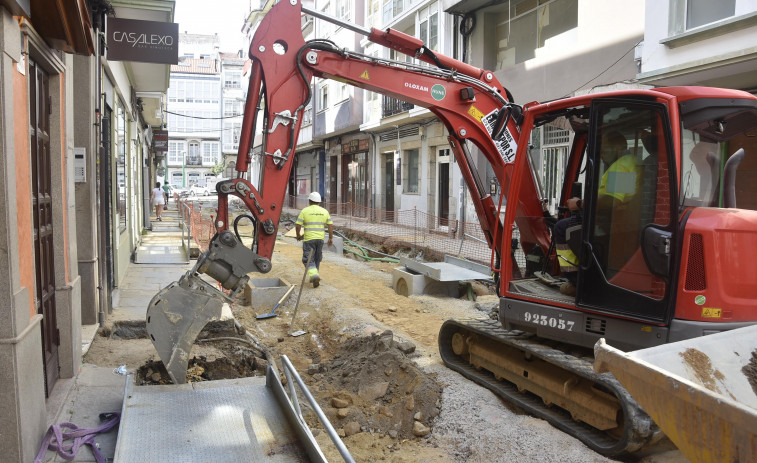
<point x="342" y="93"/>
<point x="230" y="169"/>
<point x="209" y="152"/>
<point x="231" y="132"/>
<point x="323" y="97"/>
<point x="232" y="79"/>
<point x="176" y="151"/>
<point x="307" y="115"/>
<point x="193" y="178"/>
<point x="343" y="9"/>
<point x="177" y="179"/>
<point x="230" y="108"/>
<point x="428" y="26"/>
<point x="121" y="137"/>
<point x="701" y="12"/>
<point x="193" y="156"/>
<point x="412" y="167"/>
<point x="530" y="27"/>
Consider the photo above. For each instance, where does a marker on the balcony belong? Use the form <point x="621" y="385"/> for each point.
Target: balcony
<point x="193" y="161"/>
<point x="392" y="106"/>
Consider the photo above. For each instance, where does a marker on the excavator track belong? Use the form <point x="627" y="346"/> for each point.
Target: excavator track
<point x="545" y="381"/>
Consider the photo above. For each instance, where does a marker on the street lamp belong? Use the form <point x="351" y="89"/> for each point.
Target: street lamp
<point x="183" y="169"/>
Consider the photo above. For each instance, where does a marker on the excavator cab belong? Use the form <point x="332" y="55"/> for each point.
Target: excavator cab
<point x="649" y="163"/>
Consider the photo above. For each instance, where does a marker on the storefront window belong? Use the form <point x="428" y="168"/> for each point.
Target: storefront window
<point x="121" y="166"/>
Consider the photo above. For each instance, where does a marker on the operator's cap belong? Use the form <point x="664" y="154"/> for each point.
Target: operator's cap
<point x="315" y="197"/>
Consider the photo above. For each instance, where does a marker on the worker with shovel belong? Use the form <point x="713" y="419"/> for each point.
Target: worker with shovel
<point x="314" y="219"/>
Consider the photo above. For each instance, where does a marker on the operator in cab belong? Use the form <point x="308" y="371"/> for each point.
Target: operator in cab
<point x="314" y="220"/>
<point x="621" y="166"/>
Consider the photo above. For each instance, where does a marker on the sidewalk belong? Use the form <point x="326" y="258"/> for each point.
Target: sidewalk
<point x="96" y="390"/>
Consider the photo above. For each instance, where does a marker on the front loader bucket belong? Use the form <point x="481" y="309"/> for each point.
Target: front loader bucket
<point x="701" y="392"/>
<point x="175" y="317"/>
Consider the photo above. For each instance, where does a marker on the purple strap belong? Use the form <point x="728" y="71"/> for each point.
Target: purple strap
<point x="55" y="437"/>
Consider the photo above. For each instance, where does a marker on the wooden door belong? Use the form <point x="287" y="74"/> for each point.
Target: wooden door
<point x="42" y="211"/>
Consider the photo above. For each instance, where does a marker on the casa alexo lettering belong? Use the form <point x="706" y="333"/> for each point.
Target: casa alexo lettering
<point x="143" y="41"/>
<point x="422" y="88"/>
<point x="135" y="39"/>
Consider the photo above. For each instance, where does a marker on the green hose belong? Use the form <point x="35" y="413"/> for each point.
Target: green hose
<point x="364" y="254"/>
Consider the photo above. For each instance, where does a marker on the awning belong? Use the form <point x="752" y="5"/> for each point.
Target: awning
<point x="64" y="24"/>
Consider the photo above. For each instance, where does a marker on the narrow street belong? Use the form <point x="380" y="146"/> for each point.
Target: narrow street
<point x="371" y="359"/>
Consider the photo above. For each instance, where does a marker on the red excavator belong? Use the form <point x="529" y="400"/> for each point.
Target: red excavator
<point x="658" y="251"/>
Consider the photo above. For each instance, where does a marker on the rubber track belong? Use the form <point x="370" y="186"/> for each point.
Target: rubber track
<point x="639" y="429"/>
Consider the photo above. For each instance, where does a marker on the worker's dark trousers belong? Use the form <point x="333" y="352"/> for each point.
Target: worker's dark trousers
<point x="317" y="247"/>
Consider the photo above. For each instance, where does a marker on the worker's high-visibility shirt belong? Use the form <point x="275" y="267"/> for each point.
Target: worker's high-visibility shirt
<point x="314" y="220"/>
<point x="622" y="180"/>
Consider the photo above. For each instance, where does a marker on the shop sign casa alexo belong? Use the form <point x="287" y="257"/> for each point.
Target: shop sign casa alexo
<point x="143" y="41"/>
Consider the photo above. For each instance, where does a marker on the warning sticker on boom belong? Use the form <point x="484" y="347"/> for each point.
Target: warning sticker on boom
<point x="506" y="145"/>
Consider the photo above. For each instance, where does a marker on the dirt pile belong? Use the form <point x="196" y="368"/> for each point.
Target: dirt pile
<point x="370" y="385"/>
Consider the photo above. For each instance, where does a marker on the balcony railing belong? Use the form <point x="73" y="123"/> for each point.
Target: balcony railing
<point x="193" y="161"/>
<point x="392" y="106"/>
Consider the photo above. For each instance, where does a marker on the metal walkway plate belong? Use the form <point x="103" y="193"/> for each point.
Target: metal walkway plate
<point x="236" y="420"/>
<point x="452" y="269"/>
<point x="160" y="248"/>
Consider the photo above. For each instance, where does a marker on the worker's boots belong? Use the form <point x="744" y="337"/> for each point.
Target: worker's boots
<point x="314" y="277"/>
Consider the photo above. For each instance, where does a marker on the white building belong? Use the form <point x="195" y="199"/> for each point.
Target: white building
<point x="699" y="42"/>
<point x="194" y="113"/>
<point x="233" y="95"/>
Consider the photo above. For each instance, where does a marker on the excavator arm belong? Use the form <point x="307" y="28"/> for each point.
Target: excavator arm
<point x="470" y="102"/>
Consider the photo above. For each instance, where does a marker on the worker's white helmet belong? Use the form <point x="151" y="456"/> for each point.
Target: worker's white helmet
<point x="315" y="197"/>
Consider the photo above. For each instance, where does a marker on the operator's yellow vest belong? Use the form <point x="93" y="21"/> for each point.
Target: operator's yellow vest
<point x="314" y="220"/>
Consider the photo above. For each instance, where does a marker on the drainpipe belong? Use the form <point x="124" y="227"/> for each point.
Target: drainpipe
<point x="102" y="274"/>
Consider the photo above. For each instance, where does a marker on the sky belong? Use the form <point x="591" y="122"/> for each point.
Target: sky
<point x="225" y="17"/>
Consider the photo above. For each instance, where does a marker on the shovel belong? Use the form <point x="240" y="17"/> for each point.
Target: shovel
<point x="297" y="304"/>
<point x="273" y="312"/>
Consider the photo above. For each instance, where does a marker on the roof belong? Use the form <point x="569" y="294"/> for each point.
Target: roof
<point x="196" y="66"/>
<point x="232" y="58"/>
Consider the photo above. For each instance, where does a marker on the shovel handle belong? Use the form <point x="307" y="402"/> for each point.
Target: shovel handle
<point x="302" y="285"/>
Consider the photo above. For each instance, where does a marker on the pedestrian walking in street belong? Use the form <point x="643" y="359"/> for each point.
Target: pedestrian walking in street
<point x="157" y="200"/>
<point x="166" y="193"/>
<point x="314" y="220"/>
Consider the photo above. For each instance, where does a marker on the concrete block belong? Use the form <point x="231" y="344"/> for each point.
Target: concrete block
<point x="337" y="247"/>
<point x="407" y="282"/>
<point x="262" y="294"/>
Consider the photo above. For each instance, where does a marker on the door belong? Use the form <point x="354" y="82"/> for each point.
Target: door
<point x="42" y="211"/>
<point x="628" y="232"/>
<point x="443" y="187"/>
<point x="333" y="184"/>
<point x="389" y="185"/>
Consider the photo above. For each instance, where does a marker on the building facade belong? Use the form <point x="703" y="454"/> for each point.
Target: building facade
<point x="194" y="113"/>
<point x="694" y="42"/>
<point x="77" y="154"/>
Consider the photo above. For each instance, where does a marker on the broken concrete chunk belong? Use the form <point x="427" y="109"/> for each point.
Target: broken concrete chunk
<point x="336" y="402"/>
<point x="417" y="416"/>
<point x="314" y="368"/>
<point x="343" y="412"/>
<point x="353" y="427"/>
<point x="420" y="430"/>
<point x="386" y="412"/>
<point x="410" y="404"/>
<point x="373" y="391"/>
<point x="406" y="347"/>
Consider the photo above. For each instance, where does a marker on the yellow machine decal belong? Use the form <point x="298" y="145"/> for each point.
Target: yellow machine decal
<point x="365" y="75"/>
<point x="475" y="113"/>
<point x="709" y="312"/>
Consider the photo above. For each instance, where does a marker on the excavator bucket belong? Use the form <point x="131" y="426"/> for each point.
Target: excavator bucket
<point x="175" y="317"/>
<point x="701" y="392"/>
